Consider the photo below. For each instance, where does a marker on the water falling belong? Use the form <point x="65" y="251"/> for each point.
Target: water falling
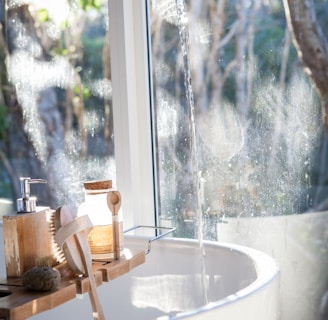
<point x="196" y="173"/>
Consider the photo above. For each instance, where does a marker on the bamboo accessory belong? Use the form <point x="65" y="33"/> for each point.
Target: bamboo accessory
<point x="114" y="205"/>
<point x="63" y="216"/>
<point x="74" y="233"/>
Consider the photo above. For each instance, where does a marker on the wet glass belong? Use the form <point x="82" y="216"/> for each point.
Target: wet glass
<point x="240" y="141"/>
<point x="238" y="127"/>
<point x="57" y="117"/>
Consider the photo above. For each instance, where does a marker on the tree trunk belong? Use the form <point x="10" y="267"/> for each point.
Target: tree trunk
<point x="36" y="132"/>
<point x="311" y="46"/>
<point x="312" y="50"/>
<point x="241" y="45"/>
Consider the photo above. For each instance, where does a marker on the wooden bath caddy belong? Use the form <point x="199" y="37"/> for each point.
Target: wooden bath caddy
<point x="22" y="252"/>
<point x="21" y="303"/>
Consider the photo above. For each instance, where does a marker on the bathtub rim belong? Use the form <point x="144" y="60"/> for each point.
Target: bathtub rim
<point x="266" y="267"/>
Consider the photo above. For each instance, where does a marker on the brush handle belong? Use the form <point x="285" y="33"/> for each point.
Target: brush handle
<point x="82" y="237"/>
<point x="77" y="231"/>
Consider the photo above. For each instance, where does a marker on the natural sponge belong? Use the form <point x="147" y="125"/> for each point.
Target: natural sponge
<point x="41" y="279"/>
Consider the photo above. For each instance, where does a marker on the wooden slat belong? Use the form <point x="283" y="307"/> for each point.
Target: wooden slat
<point x="125" y="264"/>
<point x="22" y="303"/>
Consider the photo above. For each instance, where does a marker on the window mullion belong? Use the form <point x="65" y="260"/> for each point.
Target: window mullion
<point x="131" y="110"/>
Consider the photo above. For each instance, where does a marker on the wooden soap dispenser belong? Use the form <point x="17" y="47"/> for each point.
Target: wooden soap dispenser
<point x="26" y="232"/>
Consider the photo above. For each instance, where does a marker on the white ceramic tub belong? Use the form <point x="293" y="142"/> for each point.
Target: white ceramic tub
<point x="299" y="243"/>
<point x="243" y="284"/>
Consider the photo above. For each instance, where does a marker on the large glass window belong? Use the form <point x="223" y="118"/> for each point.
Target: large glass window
<point x="238" y="123"/>
<point x="241" y="149"/>
<point x="56" y="103"/>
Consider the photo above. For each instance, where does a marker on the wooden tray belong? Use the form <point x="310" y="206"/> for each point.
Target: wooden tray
<point x="23" y="303"/>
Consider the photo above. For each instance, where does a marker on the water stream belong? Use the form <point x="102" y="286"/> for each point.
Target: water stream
<point x="196" y="173"/>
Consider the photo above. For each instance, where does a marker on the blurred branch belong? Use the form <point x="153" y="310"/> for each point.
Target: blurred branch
<point x="10" y="171"/>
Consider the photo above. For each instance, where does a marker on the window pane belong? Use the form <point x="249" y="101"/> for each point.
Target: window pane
<point x="247" y="129"/>
<point x="56" y="115"/>
<point x="241" y="150"/>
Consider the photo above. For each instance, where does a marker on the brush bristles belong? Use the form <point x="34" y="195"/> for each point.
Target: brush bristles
<point x="58" y="257"/>
<point x="48" y="261"/>
<point x="58" y="254"/>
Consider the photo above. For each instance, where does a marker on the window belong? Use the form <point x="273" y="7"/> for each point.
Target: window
<point x="58" y="119"/>
<point x="243" y="141"/>
<point x="239" y="135"/>
<point x="238" y="124"/>
<point x="63" y="56"/>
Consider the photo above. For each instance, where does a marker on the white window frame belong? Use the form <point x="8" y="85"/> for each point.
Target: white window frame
<point x="130" y="73"/>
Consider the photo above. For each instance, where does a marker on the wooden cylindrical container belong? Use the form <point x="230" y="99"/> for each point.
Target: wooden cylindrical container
<point x="27" y="240"/>
<point x="95" y="206"/>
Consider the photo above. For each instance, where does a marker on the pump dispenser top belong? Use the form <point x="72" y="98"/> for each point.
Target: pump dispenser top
<point x="27" y="203"/>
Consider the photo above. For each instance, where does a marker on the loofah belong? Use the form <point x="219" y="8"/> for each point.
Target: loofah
<point x="41" y="279"/>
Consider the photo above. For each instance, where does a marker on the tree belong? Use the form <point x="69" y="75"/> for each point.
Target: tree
<point x="311" y="45"/>
<point x="312" y="50"/>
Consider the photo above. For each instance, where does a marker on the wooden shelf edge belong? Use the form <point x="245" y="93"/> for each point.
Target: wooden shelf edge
<point x="22" y="303"/>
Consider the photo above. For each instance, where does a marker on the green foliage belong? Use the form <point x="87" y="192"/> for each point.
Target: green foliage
<point x="90" y="4"/>
<point x="61" y="51"/>
<point x="92" y="57"/>
<point x="3" y="121"/>
<point x="43" y="15"/>
<point x="268" y="45"/>
<point x="85" y="92"/>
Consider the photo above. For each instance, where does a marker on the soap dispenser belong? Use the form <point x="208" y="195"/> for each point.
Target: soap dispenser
<point x="27" y="203"/>
<point x="26" y="232"/>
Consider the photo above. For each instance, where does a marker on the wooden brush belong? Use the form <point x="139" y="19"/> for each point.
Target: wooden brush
<point x="58" y="259"/>
<point x="74" y="234"/>
<point x="71" y="250"/>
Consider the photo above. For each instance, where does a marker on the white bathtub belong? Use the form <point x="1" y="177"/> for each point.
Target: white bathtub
<point x="243" y="284"/>
<point x="299" y="244"/>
